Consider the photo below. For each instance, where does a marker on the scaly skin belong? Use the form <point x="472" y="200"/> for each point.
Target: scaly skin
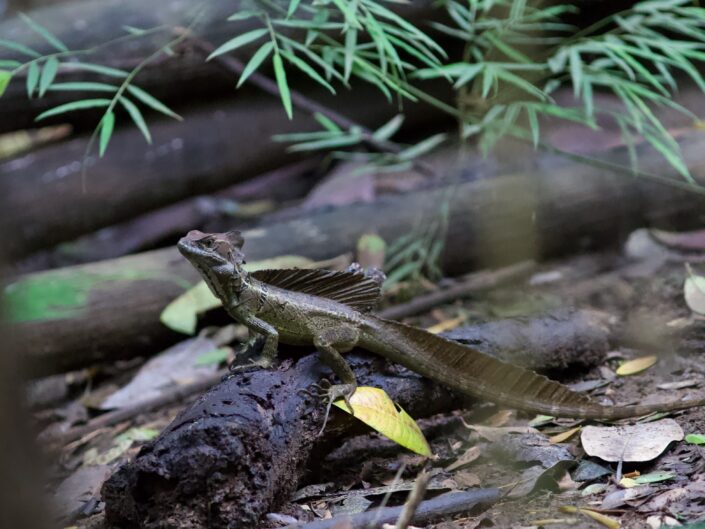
<point x="334" y="328"/>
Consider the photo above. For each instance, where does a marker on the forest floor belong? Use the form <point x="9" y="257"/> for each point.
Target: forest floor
<point x="539" y="464"/>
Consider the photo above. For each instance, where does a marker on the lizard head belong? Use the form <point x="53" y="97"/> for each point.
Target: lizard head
<point x="217" y="256"/>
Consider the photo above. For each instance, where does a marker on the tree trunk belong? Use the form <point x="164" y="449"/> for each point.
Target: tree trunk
<point x="75" y="316"/>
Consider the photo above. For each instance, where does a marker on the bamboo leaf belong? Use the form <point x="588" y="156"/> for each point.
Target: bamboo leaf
<point x="280" y="76"/>
<point x="44" y="33"/>
<point x="313" y="74"/>
<point x="33" y="72"/>
<point x="422" y="147"/>
<point x="238" y="41"/>
<point x="82" y="86"/>
<point x="152" y="102"/>
<point x="350" y="45"/>
<point x="137" y="118"/>
<point x="374" y="407"/>
<point x="107" y="124"/>
<point x="389" y="129"/>
<point x="293" y="4"/>
<point x="5" y="78"/>
<point x="257" y="59"/>
<point x="48" y="74"/>
<point x="74" y="105"/>
<point x="19" y="48"/>
<point x="96" y="68"/>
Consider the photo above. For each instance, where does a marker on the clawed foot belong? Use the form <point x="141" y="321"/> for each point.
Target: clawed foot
<point x="331" y="392"/>
<point x="249" y="349"/>
<point x="251" y="365"/>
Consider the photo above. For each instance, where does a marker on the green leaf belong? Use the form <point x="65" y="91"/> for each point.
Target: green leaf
<point x="242" y="15"/>
<point x="654" y="477"/>
<point x="238" y="41"/>
<point x="350" y="45"/>
<point x="576" y="71"/>
<point x="5" y="78"/>
<point x="313" y="74"/>
<point x="280" y="76"/>
<point x="326" y="122"/>
<point x="330" y="143"/>
<point x="389" y="129"/>
<point x="20" y="48"/>
<point x="695" y="439"/>
<point x="259" y="56"/>
<point x="48" y="74"/>
<point x="152" y="102"/>
<point x="215" y="357"/>
<point x="533" y="126"/>
<point x="293" y="4"/>
<point x="374" y="407"/>
<point x="44" y="33"/>
<point x="10" y="64"/>
<point x="74" y="105"/>
<point x="82" y="87"/>
<point x="107" y="124"/>
<point x="33" y="72"/>
<point x="96" y="68"/>
<point x="422" y="147"/>
<point x="137" y="117"/>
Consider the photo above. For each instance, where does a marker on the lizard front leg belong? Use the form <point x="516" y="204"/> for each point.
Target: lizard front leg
<point x="271" y="340"/>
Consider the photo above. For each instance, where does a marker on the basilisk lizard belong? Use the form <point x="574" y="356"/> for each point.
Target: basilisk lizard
<point x="332" y="311"/>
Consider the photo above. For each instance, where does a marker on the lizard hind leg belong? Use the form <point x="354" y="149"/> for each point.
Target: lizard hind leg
<point x="330" y="343"/>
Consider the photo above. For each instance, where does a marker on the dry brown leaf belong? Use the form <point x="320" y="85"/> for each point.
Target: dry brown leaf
<point x="639" y="442"/>
<point x="468" y="457"/>
<point x="632" y="367"/>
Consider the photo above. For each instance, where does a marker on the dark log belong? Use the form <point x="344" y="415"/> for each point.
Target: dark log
<point x="50" y="200"/>
<point x="111" y="309"/>
<point x="147" y="231"/>
<point x="241" y="449"/>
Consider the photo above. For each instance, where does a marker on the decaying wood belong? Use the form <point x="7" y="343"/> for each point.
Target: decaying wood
<point x="240" y="450"/>
<point x="214" y="147"/>
<point x="114" y="306"/>
<point x="170" y="222"/>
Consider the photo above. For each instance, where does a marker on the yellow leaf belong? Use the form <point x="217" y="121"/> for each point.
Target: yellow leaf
<point x="628" y="483"/>
<point x="632" y="367"/>
<point x="446" y="325"/>
<point x="564" y="436"/>
<point x="374" y="407"/>
<point x="611" y="523"/>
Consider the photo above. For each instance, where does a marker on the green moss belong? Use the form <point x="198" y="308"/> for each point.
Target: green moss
<point x="54" y="296"/>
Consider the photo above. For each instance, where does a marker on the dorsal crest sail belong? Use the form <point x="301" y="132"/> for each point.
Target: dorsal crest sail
<point x="352" y="289"/>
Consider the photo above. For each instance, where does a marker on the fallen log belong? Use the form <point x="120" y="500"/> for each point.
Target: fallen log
<point x="213" y="148"/>
<point x="170" y="222"/>
<point x="242" y="448"/>
<point x="75" y="316"/>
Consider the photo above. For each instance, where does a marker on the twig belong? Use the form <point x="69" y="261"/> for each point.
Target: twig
<point x="310" y="106"/>
<point x="474" y="283"/>
<point x="444" y="505"/>
<point x="414" y="500"/>
<point x="108" y="419"/>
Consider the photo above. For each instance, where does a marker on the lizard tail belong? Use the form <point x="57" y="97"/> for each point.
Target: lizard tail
<point x="474" y="373"/>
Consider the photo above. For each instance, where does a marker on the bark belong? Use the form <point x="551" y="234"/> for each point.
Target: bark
<point x="111" y="309"/>
<point x="50" y="199"/>
<point x="209" y="212"/>
<point x="242" y="448"/>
